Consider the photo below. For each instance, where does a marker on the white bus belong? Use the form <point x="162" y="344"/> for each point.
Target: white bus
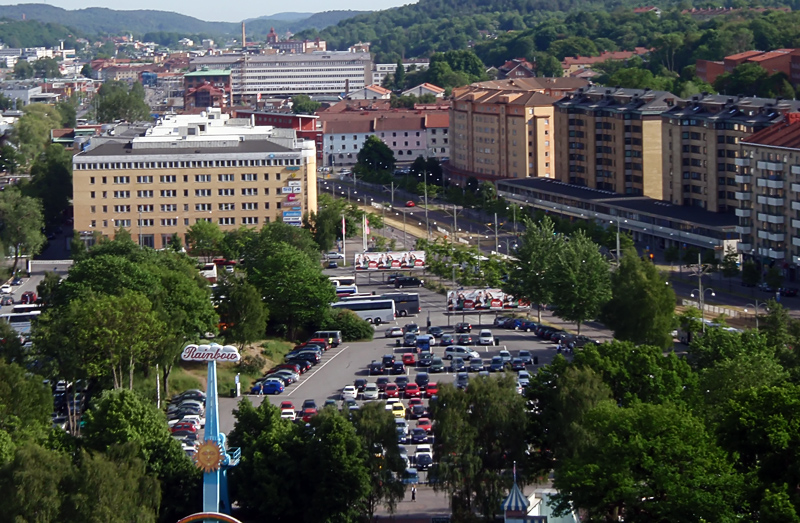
<point x="21" y="317"/>
<point x="340" y="281"/>
<point x="374" y="311"/>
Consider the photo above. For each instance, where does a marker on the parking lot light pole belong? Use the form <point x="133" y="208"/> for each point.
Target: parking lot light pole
<point x="701" y="296"/>
<point x="755" y="307"/>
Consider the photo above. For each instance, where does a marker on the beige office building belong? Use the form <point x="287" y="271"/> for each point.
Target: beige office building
<point x="189" y="168"/>
<point x="505" y="128"/>
<point x="610" y="139"/>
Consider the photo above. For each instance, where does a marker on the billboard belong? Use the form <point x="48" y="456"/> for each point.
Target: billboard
<point x="384" y="261"/>
<point x="482" y="300"/>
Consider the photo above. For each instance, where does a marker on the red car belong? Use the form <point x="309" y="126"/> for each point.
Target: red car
<point x="412" y="391"/>
<point x="28" y="297"/>
<point x="184" y="427"/>
<point x="410" y="203"/>
<point x="408" y="359"/>
<point x="414" y="401"/>
<point x="425" y="423"/>
<point x="287" y="405"/>
<point x="319" y="341"/>
<point x="392" y="390"/>
<point x="308" y="414"/>
<point x="431" y="389"/>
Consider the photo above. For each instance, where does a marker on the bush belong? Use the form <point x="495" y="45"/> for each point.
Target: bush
<point x="353" y="328"/>
<point x="252" y="364"/>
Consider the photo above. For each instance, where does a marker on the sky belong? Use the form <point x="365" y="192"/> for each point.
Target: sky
<point x="216" y="11"/>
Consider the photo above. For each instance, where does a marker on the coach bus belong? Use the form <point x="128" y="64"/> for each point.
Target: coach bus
<point x="373" y="311"/>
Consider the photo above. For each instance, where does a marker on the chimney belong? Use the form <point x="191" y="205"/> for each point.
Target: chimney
<point x="792" y="118"/>
<point x="244" y="42"/>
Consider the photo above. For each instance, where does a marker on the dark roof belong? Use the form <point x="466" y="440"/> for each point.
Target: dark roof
<point x="640" y="204"/>
<point x="620" y="100"/>
<point x="757" y="112"/>
<point x="247" y="146"/>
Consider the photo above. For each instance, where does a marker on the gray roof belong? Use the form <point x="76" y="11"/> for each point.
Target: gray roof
<point x="322" y="57"/>
<point x="124" y="149"/>
<point x="756" y="112"/>
<point x="640" y="204"/>
<point x="640" y="101"/>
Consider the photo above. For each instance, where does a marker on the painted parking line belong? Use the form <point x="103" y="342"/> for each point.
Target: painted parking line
<point x="316" y="370"/>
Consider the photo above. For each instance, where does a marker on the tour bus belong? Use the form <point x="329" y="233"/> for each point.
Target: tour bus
<point x="346" y="290"/>
<point x="405" y="303"/>
<point x="22" y="308"/>
<point x="374" y="311"/>
<point x="21" y="317"/>
<point x="342" y="281"/>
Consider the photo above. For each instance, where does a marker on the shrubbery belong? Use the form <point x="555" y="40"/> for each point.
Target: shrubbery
<point x="353" y="328"/>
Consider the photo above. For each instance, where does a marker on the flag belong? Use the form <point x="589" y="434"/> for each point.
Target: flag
<point x="343" y="232"/>
<point x="366" y="225"/>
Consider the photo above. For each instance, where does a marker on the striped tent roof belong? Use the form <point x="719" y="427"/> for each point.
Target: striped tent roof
<point x="516" y="501"/>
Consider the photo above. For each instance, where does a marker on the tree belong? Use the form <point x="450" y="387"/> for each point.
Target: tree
<point x="21" y="224"/>
<point x="295" y="291"/>
<point x="46" y="68"/>
<point x="9" y="159"/>
<point x="51" y="182"/>
<point x="376" y="428"/>
<point x="303" y="104"/>
<point x="642" y="305"/>
<point x="400" y="76"/>
<point x="630" y="463"/>
<point x="376" y="156"/>
<point x="243" y="311"/>
<point x="470" y="453"/>
<point x="32" y="484"/>
<point x="751" y="276"/>
<point x="672" y="254"/>
<point x="115" y="101"/>
<point x="25" y="404"/>
<point x="531" y="279"/>
<point x="86" y="70"/>
<point x="730" y="265"/>
<point x="204" y="238"/>
<point x="32" y="130"/>
<point x="774" y="278"/>
<point x="582" y="281"/>
<point x="23" y="70"/>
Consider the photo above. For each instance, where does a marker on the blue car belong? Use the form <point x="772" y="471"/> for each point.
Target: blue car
<point x="267" y="387"/>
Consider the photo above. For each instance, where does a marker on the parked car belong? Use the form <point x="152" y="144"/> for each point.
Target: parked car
<point x="462" y="379"/>
<point x="457" y="365"/>
<point x="485" y="337"/>
<point x="392" y="390"/>
<point x="418" y="410"/>
<point x="349" y="392"/>
<point x="524" y="378"/>
<point x="437" y="365"/>
<point x="381" y="383"/>
<point x="412" y="390"/>
<point x="458" y="351"/>
<point x="500" y="321"/>
<point x="309" y="404"/>
<point x="408" y="281"/>
<point x="497" y="364"/>
<point x="423" y="457"/>
<point x="387" y="360"/>
<point x="463" y="327"/>
<point x="517" y="364"/>
<point x="398" y="368"/>
<point x="394" y="332"/>
<point x="788" y="292"/>
<point x="399" y="410"/>
<point x="466" y="339"/>
<point x="6" y="300"/>
<point x="475" y="365"/>
<point x="409" y="339"/>
<point x="273" y="386"/>
<point x="446" y="340"/>
<point x="525" y="356"/>
<point x="371" y="392"/>
<point x="289" y="414"/>
<point x="6" y="289"/>
<point x="506" y="356"/>
<point x="422" y="379"/>
<point x="402" y="382"/>
<point x="432" y="389"/>
<point x="408" y="359"/>
<point x="436" y="332"/>
<point x="335" y="256"/>
<point x="410" y="203"/>
<point x="411" y="327"/>
<point x="425" y="359"/>
<point x="418" y="436"/>
<point x="392" y="277"/>
<point x="359" y="384"/>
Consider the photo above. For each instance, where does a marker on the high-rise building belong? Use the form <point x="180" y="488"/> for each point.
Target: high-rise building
<point x="505" y="128"/>
<point x="610" y="139"/>
<point x="701" y="147"/>
<point x="189" y="168"/>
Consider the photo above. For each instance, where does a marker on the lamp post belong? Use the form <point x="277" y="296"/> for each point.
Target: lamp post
<point x="701" y="295"/>
<point x="619" y="254"/>
<point x="425" y="184"/>
<point x="513" y="208"/>
<point x="140" y="226"/>
<point x="755" y="307"/>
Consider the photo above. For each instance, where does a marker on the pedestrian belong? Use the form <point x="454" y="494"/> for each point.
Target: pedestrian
<point x="413" y="493"/>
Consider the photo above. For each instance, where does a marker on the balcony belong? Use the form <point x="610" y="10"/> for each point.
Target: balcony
<point x="795" y="169"/>
<point x="796" y="224"/>
<point x="795" y="187"/>
<point x="796" y="241"/>
<point x="744" y="247"/>
<point x="744" y="196"/>
<point x="770" y="166"/>
<point x="772" y="236"/>
<point x="771" y="253"/>
<point x="742" y="162"/>
<point x="743" y="178"/>
<point x="743" y="213"/>
<point x="744" y="229"/>
<point x="771" y="218"/>
<point x="770" y="200"/>
<point x="772" y="184"/>
<point x="796" y="260"/>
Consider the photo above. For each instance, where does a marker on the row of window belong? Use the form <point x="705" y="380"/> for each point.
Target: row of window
<point x="196" y="164"/>
<point x="171" y="178"/>
<point x="171" y="207"/>
<point x="173" y="222"/>
<point x="172" y="193"/>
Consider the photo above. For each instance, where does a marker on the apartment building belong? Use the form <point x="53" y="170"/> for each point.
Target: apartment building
<point x="701" y="147"/>
<point x="505" y="128"/>
<point x="189" y="168"/>
<point x="769" y="203"/>
<point x="610" y="139"/>
<point x="315" y="73"/>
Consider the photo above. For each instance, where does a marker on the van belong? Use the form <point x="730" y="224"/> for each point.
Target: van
<point x="407" y="281"/>
<point x="333" y="337"/>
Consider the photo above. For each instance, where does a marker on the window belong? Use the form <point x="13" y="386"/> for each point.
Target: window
<point x="122" y="194"/>
<point x="144" y="179"/>
<point x="227" y="206"/>
<point x="91" y="194"/>
<point x="122" y="208"/>
<point x="202" y="207"/>
<point x="225" y="177"/>
<point x="169" y="222"/>
<point x="252" y="191"/>
<point x="249" y="177"/>
<point x="249" y="206"/>
<point x="169" y="207"/>
<point x="145" y="222"/>
<point x="227" y="220"/>
<point x="202" y="177"/>
<point x="91" y="180"/>
<point x="122" y="179"/>
<point x="144" y="208"/>
<point x="169" y="194"/>
<point x="122" y="223"/>
<point x="250" y="220"/>
<point x="167" y="179"/>
<point x="144" y="194"/>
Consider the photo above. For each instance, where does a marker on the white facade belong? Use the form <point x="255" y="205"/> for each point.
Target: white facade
<point x="380" y="71"/>
<point x="342" y="149"/>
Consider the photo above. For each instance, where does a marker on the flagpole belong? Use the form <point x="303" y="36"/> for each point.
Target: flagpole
<point x="344" y="243"/>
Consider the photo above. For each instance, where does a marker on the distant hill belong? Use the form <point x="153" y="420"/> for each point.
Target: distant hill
<point x="97" y="20"/>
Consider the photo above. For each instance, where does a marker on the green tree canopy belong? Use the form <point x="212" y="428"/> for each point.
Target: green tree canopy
<point x="21" y="224"/>
<point x="116" y="101"/>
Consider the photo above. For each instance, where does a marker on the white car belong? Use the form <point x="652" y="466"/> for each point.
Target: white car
<point x="199" y="421"/>
<point x="371" y="392"/>
<point x="485" y="337"/>
<point x="335" y="256"/>
<point x="6" y="289"/>
<point x="349" y="392"/>
<point x="457" y="351"/>
<point x="289" y="414"/>
<point x="394" y="332"/>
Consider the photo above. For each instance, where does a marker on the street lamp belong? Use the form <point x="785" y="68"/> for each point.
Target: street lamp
<point x="619" y="254"/>
<point x="701" y="295"/>
<point x="513" y="208"/>
<point x="755" y="307"/>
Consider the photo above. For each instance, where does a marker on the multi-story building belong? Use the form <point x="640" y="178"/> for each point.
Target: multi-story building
<point x="610" y="139"/>
<point x="505" y="128"/>
<point x="381" y="71"/>
<point x="316" y="73"/>
<point x="189" y="168"/>
<point x="769" y="210"/>
<point x="701" y="147"/>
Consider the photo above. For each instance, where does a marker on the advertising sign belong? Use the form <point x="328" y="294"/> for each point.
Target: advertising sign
<point x="294" y="184"/>
<point x="383" y="261"/>
<point x="292" y="219"/>
<point x="292" y="197"/>
<point x="213" y="352"/>
<point x="286" y="190"/>
<point x="481" y="300"/>
<point x="296" y="190"/>
<point x="292" y="213"/>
